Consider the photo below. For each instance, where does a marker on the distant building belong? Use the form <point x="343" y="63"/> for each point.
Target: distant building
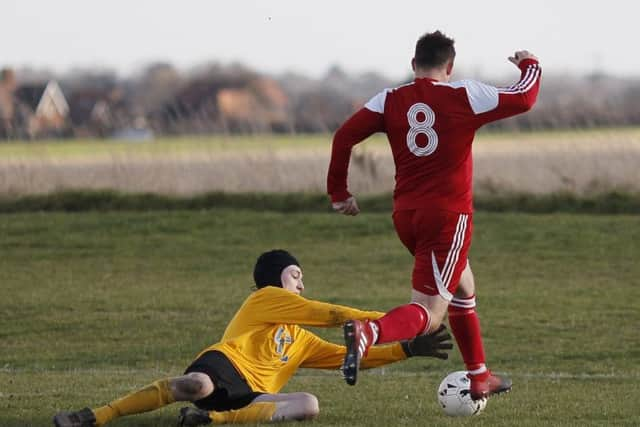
<point x="238" y="104"/>
<point x="7" y="105"/>
<point x="98" y="113"/>
<point x="90" y="113"/>
<point x="261" y="106"/>
<point x="41" y="110"/>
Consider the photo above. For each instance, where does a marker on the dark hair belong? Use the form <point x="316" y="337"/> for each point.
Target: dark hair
<point x="434" y="50"/>
<point x="269" y="267"/>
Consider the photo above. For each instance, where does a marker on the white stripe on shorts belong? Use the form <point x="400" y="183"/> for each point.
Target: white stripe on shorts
<point x="454" y="251"/>
<point x="443" y="279"/>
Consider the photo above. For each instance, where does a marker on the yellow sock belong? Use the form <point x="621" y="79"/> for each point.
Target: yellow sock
<point x="261" y="411"/>
<point x="153" y="396"/>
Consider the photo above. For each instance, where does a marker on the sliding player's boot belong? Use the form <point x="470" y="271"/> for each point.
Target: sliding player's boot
<point x="81" y="418"/>
<point x="493" y="384"/>
<point x="358" y="337"/>
<point x="192" y="417"/>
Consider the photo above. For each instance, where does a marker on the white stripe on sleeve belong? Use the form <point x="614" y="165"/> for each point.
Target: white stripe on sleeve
<point x="530" y="78"/>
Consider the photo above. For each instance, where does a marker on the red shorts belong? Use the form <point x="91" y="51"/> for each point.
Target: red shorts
<point x="439" y="241"/>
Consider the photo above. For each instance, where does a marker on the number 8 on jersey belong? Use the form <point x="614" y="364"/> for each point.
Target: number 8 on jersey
<point x="425" y="127"/>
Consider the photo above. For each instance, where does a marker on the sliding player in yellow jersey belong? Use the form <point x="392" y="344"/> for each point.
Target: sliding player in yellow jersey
<point x="239" y="378"/>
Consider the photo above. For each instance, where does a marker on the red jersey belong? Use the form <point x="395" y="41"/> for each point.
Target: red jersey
<point x="430" y="126"/>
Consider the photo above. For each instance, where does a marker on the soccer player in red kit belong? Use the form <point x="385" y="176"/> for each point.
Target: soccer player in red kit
<point x="430" y="124"/>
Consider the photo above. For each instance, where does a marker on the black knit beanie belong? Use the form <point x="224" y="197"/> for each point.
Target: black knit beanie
<point x="269" y="267"/>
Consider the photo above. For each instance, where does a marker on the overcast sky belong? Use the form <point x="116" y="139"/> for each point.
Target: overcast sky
<point x="308" y="36"/>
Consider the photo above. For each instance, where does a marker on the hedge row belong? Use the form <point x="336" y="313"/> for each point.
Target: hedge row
<point x="606" y="203"/>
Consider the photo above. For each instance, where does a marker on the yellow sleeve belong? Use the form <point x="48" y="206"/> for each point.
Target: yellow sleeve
<point x="383" y="355"/>
<point x="276" y="305"/>
<point x="326" y="355"/>
<point x="322" y="354"/>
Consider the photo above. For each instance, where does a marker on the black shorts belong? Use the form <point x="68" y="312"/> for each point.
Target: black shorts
<point x="231" y="390"/>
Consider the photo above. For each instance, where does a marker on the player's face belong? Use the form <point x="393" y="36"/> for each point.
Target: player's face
<point x="291" y="279"/>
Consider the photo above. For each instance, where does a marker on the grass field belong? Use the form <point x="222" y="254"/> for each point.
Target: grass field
<point x="93" y="305"/>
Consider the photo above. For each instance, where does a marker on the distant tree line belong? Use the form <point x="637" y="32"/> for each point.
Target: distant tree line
<point x="231" y="99"/>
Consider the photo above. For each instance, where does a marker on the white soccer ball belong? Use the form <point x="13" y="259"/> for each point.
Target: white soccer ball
<point x="455" y="398"/>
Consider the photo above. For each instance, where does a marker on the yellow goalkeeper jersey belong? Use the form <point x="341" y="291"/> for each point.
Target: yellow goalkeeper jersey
<point x="266" y="344"/>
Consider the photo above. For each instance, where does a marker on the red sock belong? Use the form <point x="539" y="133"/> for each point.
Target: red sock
<point x="465" y="327"/>
<point x="402" y="323"/>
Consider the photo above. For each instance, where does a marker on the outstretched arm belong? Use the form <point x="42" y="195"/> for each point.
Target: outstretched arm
<point x="517" y="98"/>
<point x="326" y="355"/>
<point x="276" y="305"/>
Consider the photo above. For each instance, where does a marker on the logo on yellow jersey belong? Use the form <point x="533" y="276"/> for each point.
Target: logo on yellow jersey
<point x="282" y="339"/>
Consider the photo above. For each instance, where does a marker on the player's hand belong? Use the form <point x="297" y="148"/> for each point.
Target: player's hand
<point x="348" y="207"/>
<point x="431" y="345"/>
<point x="522" y="55"/>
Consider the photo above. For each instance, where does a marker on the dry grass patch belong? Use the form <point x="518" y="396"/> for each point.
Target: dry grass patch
<point x="578" y="162"/>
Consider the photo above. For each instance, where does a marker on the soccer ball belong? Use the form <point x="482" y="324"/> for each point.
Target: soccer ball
<point x="454" y="396"/>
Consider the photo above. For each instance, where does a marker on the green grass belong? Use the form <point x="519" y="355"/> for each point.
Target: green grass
<point x="95" y="304"/>
<point x="91" y="148"/>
